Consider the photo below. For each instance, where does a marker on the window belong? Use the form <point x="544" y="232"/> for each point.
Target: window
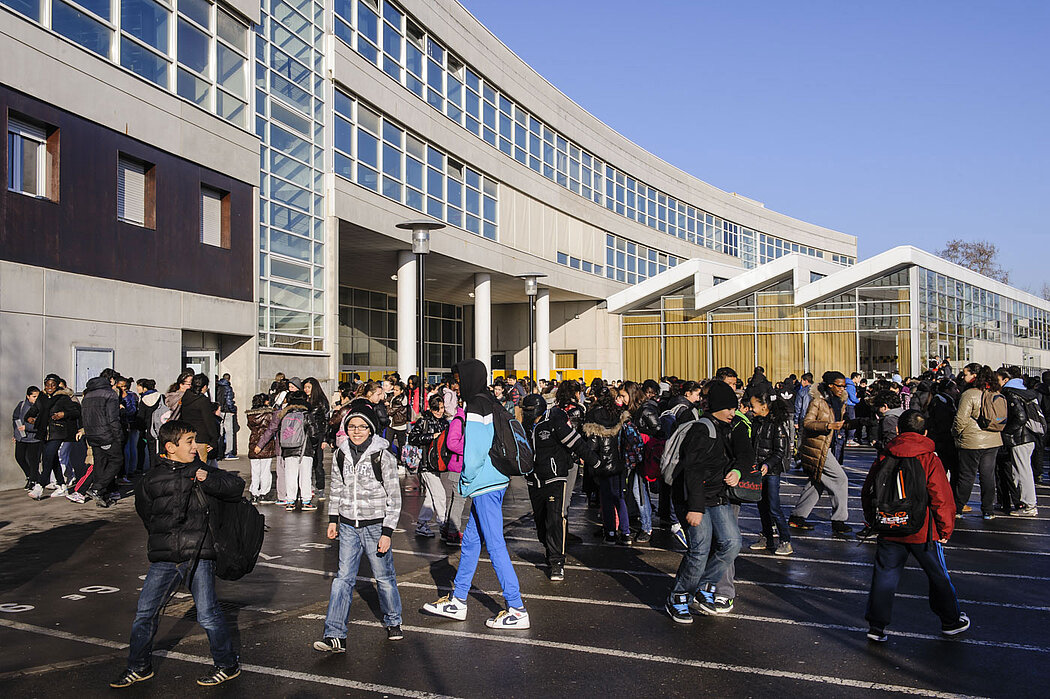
<point x="31" y="157"/>
<point x="215" y="217"/>
<point x="131" y="191"/>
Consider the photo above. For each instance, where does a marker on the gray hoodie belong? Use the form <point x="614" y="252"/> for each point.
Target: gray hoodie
<point x="356" y="497"/>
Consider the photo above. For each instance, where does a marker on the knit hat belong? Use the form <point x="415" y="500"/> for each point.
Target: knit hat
<point x="296" y="381"/>
<point x="721" y="397"/>
<point x="362" y="408"/>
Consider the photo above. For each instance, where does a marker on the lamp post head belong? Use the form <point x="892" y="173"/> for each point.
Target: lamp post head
<point x="532" y="285"/>
<point x="421" y="233"/>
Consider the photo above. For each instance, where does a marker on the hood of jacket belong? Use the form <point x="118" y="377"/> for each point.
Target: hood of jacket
<point x="172" y="399"/>
<point x="258" y="411"/>
<point x="150" y="399"/>
<point x="95" y="384"/>
<point x="910" y="444"/>
<point x="601" y="424"/>
<point x="471" y="377"/>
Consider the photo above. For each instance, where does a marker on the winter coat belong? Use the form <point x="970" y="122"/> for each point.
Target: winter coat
<point x="49" y="428"/>
<point x="968" y="434"/>
<point x="816" y="435"/>
<point x="258" y="422"/>
<point x="802" y="401"/>
<point x="888" y="428"/>
<point x="423" y="435"/>
<point x="174" y="516"/>
<point x="224" y="396"/>
<point x="19" y="417"/>
<point x="100" y="414"/>
<point x="479" y="475"/>
<point x="197" y="411"/>
<point x="557" y="446"/>
<point x="382" y="416"/>
<point x="647" y="418"/>
<point x="318" y="416"/>
<point x="273" y="432"/>
<point x="704" y="464"/>
<point x="602" y="430"/>
<point x="940" y="416"/>
<point x="398" y="411"/>
<point x="772" y="445"/>
<point x="741" y="443"/>
<point x="942" y="502"/>
<point x="356" y="497"/>
<point x="1016" y="431"/>
<point x="149" y="402"/>
<point x="455" y="441"/>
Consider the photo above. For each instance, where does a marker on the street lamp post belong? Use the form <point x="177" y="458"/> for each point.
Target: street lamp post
<point x="421" y="246"/>
<point x="532" y="288"/>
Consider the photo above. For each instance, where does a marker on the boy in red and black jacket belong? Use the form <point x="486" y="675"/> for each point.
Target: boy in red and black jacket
<point x="926" y="545"/>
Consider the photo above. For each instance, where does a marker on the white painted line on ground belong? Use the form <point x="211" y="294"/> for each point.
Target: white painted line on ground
<point x="678" y="661"/>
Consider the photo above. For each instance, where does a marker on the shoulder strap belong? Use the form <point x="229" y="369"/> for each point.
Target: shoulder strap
<point x="200" y="544"/>
<point x="377" y="465"/>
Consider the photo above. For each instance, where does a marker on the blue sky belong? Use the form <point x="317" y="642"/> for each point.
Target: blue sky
<point x="897" y="122"/>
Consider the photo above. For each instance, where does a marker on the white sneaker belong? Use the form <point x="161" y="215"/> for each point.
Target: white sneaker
<point x="36" y="492"/>
<point x="448" y="606"/>
<point x="52" y="485"/>
<point x="60" y="492"/>
<point x="75" y="497"/>
<point x="509" y="618"/>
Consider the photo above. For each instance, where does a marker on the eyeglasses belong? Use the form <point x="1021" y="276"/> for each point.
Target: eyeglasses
<point x="357" y="428"/>
<point x="839" y="385"/>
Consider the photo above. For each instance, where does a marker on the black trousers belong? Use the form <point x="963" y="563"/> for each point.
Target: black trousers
<point x="49" y="463"/>
<point x="1007" y="494"/>
<point x="27" y="454"/>
<point x="109" y="463"/>
<point x="550" y="524"/>
<point x="1037" y="457"/>
<point x="972" y="462"/>
<point x="318" y="468"/>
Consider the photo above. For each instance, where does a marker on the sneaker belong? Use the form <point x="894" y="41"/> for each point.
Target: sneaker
<point x="124" y="481"/>
<point x="677" y="607"/>
<point x="723" y="604"/>
<point x="643" y="537"/>
<point x="784" y="549"/>
<point x="852" y="443"/>
<point x="760" y="544"/>
<point x="510" y="618"/>
<point x="218" y="675"/>
<point x="59" y="492"/>
<point x="453" y="538"/>
<point x="679" y="534"/>
<point x="557" y="573"/>
<point x="284" y="503"/>
<point x="52" y="485"/>
<point x="36" y="492"/>
<point x="423" y="529"/>
<point x="877" y="635"/>
<point x="841" y="530"/>
<point x="1027" y="511"/>
<point x="130" y="677"/>
<point x="267" y="499"/>
<point x="967" y="509"/>
<point x="309" y="507"/>
<point x="394" y="633"/>
<point x="320" y="495"/>
<point x="609" y="539"/>
<point x="447" y="606"/>
<point x="956" y="627"/>
<point x="330" y="645"/>
<point x="987" y="516"/>
<point x="290" y="507"/>
<point x="704" y="601"/>
<point x="800" y="523"/>
<point x="99" y="498"/>
<point x="623" y="539"/>
<point x="76" y="497"/>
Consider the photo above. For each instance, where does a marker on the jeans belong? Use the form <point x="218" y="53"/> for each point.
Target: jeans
<point x="353" y="541"/>
<point x="262" y="479"/>
<point x="550" y="524"/>
<point x="131" y="452"/>
<point x="640" y="493"/>
<point x="697" y="568"/>
<point x="770" y="512"/>
<point x="850" y="413"/>
<point x="972" y="461"/>
<point x="890" y="558"/>
<point x="486" y="520"/>
<point x="162" y="579"/>
<point x="27" y="454"/>
<point x="833" y="480"/>
<point x="64" y="451"/>
<point x="49" y="462"/>
<point x="614" y="504"/>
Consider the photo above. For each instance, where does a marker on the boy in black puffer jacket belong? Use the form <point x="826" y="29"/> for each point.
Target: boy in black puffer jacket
<point x="177" y="523"/>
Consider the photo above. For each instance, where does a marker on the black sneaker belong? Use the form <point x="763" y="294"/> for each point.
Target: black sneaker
<point x="876" y="634"/>
<point x="394" y="633"/>
<point x="643" y="538"/>
<point x="218" y="675"/>
<point x="330" y="645"/>
<point x="841" y="530"/>
<point x="130" y="677"/>
<point x="799" y="523"/>
<point x="610" y="539"/>
<point x="557" y="572"/>
<point x="677" y="607"/>
<point x="623" y="539"/>
<point x="956" y="627"/>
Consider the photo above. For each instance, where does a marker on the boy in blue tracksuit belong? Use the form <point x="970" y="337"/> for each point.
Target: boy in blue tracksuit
<point x="485" y="485"/>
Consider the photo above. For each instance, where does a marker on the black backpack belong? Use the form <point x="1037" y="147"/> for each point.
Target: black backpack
<point x="511" y="451"/>
<point x="237" y="530"/>
<point x="899" y="500"/>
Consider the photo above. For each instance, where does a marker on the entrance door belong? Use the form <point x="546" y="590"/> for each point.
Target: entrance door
<point x="202" y="362"/>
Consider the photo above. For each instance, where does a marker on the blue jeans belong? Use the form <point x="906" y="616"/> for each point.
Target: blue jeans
<point x="890" y="558"/>
<point x="640" y="492"/>
<point x="354" y="541"/>
<point x="718" y="523"/>
<point x="770" y="512"/>
<point x="131" y="452"/>
<point x="850" y="413"/>
<point x="486" y="522"/>
<point x="162" y="579"/>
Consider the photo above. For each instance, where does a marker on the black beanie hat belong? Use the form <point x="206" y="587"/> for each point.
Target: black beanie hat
<point x="362" y="408"/>
<point x="720" y="397"/>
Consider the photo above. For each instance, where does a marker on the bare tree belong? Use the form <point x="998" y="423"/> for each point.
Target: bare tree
<point x="979" y="255"/>
<point x="1045" y="291"/>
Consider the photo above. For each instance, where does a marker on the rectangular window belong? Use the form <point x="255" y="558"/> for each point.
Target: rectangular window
<point x="32" y="158"/>
<point x="215" y="217"/>
<point x="136" y="194"/>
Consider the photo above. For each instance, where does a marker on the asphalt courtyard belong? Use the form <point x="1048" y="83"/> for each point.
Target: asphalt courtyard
<point x="69" y="579"/>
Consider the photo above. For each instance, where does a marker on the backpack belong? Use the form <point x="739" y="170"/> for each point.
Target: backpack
<point x="1036" y="423"/>
<point x="669" y="417"/>
<point x="377" y="464"/>
<point x="237" y="530"/>
<point x="511" y="452"/>
<point x="442" y="453"/>
<point x="162" y="414"/>
<point x="994" y="411"/>
<point x="899" y="499"/>
<point x="632" y="445"/>
<point x="749" y="488"/>
<point x="670" y="460"/>
<point x="293" y="430"/>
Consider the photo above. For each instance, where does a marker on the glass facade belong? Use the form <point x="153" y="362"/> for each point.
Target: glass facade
<point x="194" y="48"/>
<point x="402" y="48"/>
<point x="630" y="262"/>
<point x="289" y="120"/>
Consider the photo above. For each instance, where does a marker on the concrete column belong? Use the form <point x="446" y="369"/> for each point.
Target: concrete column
<point x="406" y="314"/>
<point x="543" y="334"/>
<point x="483" y="320"/>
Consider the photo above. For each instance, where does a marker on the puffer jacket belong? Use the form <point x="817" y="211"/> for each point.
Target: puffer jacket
<point x="398" y="411"/>
<point x="50" y="429"/>
<point x="319" y="414"/>
<point x="1016" y="431"/>
<point x="816" y="435"/>
<point x="174" y="517"/>
<point x="602" y="430"/>
<point x="196" y="410"/>
<point x="100" y="413"/>
<point x="273" y="432"/>
<point x="772" y="445"/>
<point x="356" y="497"/>
<point x="647" y="418"/>
<point x="258" y="422"/>
<point x="968" y="434"/>
<point x="557" y="446"/>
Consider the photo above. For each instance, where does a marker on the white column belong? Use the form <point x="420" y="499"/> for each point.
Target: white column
<point x="406" y="314"/>
<point x="483" y="320"/>
<point x="543" y="334"/>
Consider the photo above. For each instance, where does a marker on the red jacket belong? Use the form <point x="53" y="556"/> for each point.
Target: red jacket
<point x="942" y="503"/>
